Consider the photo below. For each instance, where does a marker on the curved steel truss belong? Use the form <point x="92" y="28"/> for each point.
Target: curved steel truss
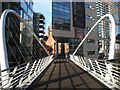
<point x="26" y="72"/>
<point x="113" y="38"/>
<point x="4" y="56"/>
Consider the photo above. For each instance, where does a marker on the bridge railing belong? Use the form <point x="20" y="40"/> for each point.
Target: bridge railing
<point x="23" y="75"/>
<point x="104" y="71"/>
<point x="23" y="55"/>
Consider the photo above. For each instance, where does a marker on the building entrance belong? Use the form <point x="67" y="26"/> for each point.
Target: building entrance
<point x="63" y="48"/>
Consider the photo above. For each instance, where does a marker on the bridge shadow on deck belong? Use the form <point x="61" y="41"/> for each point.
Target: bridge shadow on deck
<point x="62" y="74"/>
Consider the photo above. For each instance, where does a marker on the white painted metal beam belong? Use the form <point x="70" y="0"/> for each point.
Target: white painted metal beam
<point x="113" y="37"/>
<point x="4" y="64"/>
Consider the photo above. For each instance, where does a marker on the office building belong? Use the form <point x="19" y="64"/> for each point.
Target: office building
<point x="90" y="46"/>
<point x="104" y="27"/>
<point x="61" y="25"/>
<point x="117" y="23"/>
<point x="70" y="23"/>
<point x="38" y="28"/>
<point x="39" y="24"/>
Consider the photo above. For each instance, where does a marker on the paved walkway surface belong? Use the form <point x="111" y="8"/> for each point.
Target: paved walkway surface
<point x="62" y="74"/>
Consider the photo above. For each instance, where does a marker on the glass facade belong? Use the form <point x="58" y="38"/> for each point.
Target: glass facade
<point x="78" y="14"/>
<point x="117" y="21"/>
<point x="117" y="17"/>
<point x="19" y="39"/>
<point x="61" y="15"/>
<point x="104" y="27"/>
<point x="24" y="9"/>
<point x="73" y="44"/>
<point x="102" y="9"/>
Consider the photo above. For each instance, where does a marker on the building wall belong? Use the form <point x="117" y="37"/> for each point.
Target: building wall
<point x="78" y="11"/>
<point x="104" y="27"/>
<point x="81" y="22"/>
<point x="117" y="21"/>
<point x="39" y="24"/>
<point x="62" y="27"/>
<point x="117" y="17"/>
<point x="78" y="25"/>
<point x="61" y="19"/>
<point x="90" y="46"/>
<point x="82" y="18"/>
<point x="59" y="33"/>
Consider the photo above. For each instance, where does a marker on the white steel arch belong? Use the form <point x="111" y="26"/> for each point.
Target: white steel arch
<point x="113" y="38"/>
<point x="3" y="50"/>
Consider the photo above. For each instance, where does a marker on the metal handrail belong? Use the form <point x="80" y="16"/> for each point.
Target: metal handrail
<point x="21" y="80"/>
<point x="104" y="71"/>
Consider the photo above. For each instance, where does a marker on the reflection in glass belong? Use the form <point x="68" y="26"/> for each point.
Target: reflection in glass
<point x="61" y="15"/>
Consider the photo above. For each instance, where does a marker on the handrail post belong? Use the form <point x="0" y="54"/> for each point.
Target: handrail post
<point x="109" y="74"/>
<point x="31" y="69"/>
<point x="99" y="68"/>
<point x="80" y="60"/>
<point x="42" y="63"/>
<point x="84" y="64"/>
<point x="24" y="73"/>
<point x="13" y="73"/>
<point x="92" y="65"/>
<point x="37" y="67"/>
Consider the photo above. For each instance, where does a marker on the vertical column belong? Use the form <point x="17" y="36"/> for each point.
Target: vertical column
<point x="56" y="48"/>
<point x="62" y="49"/>
<point x="0" y="8"/>
<point x="71" y="14"/>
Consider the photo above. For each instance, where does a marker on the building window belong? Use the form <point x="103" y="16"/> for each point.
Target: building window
<point x="90" y="17"/>
<point x="88" y="28"/>
<point x="90" y="41"/>
<point x="91" y="52"/>
<point x="89" y="6"/>
<point x="61" y="16"/>
<point x="24" y="6"/>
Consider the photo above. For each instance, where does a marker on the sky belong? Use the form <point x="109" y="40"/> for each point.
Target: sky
<point x="44" y="7"/>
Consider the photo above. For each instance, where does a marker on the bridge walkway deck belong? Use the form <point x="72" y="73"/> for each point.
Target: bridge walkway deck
<point x="62" y="74"/>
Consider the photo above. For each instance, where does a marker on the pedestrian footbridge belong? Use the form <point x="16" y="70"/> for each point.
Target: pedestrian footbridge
<point x="26" y="63"/>
<point x="63" y="74"/>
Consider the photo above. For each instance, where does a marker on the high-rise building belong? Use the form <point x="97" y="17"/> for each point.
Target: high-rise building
<point x="38" y="28"/>
<point x="39" y="24"/>
<point x="117" y="16"/>
<point x="117" y="23"/>
<point x="78" y="25"/>
<point x="61" y="24"/>
<point x="18" y="37"/>
<point x="104" y="27"/>
<point x="90" y="45"/>
<point x="70" y="23"/>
